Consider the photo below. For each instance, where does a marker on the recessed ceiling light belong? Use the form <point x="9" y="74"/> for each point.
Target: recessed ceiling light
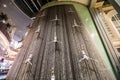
<point x="4" y="5"/>
<point x="87" y="19"/>
<point x="3" y="21"/>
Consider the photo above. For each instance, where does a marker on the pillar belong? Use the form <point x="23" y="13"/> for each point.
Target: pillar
<point x="58" y="47"/>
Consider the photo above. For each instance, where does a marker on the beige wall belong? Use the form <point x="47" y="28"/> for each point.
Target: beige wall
<point x="111" y="13"/>
<point x="115" y="33"/>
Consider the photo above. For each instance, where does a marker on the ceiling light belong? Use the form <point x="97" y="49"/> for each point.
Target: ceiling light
<point x="4" y="5"/>
<point x="87" y="19"/>
<point x="3" y="21"/>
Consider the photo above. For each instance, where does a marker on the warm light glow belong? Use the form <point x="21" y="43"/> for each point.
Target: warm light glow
<point x="3" y="21"/>
<point x="4" y="5"/>
<point x="15" y="44"/>
<point x="92" y="35"/>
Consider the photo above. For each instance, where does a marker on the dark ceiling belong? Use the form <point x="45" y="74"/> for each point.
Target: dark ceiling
<point x="16" y="18"/>
<point x="20" y="13"/>
<point x="31" y="7"/>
